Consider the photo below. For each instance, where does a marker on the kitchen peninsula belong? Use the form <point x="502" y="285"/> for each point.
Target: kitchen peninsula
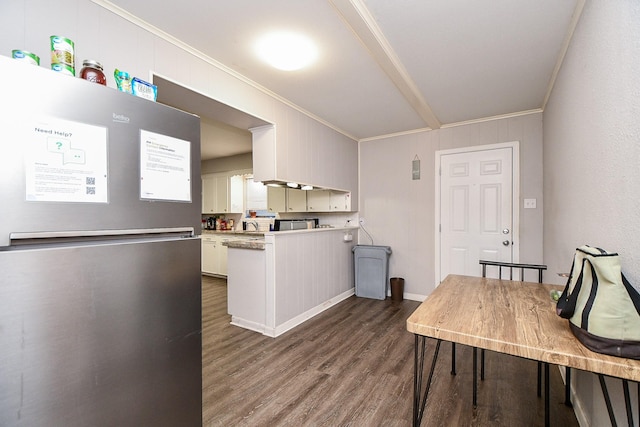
<point x="291" y="276"/>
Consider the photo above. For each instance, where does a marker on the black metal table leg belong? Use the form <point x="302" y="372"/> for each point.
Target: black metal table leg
<point x="627" y="401"/>
<point x="547" y="417"/>
<point x="453" y="358"/>
<point x="567" y="387"/>
<point x="607" y="400"/>
<point x="539" y="389"/>
<point x="419" y="402"/>
<point x="475" y="377"/>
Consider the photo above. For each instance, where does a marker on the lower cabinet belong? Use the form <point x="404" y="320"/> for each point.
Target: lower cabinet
<point x="214" y="254"/>
<point x="209" y="256"/>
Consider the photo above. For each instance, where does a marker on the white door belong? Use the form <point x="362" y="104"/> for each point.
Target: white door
<point x="476" y="209"/>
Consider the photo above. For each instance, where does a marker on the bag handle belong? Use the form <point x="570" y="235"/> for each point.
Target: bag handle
<point x="566" y="305"/>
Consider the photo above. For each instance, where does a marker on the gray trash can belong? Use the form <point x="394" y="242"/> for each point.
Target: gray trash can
<point x="371" y="270"/>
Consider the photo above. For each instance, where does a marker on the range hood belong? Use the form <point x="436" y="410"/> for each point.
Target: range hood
<point x="289" y="184"/>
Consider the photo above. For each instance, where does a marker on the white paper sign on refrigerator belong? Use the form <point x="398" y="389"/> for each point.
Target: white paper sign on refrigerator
<point x="165" y="167"/>
<point x="65" y="161"/>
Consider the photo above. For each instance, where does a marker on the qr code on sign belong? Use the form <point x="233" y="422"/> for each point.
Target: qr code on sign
<point x="91" y="190"/>
<point x="91" y="180"/>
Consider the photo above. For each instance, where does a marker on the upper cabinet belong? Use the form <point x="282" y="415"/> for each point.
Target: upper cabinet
<point x="328" y="201"/>
<point x="236" y="193"/>
<point x="281" y="199"/>
<point x="222" y="193"/>
<point x="318" y="201"/>
<point x="276" y="199"/>
<point x="339" y="201"/>
<point x="296" y="200"/>
<point x="304" y="151"/>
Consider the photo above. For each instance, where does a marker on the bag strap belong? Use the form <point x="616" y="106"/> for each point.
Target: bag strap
<point x="592" y="296"/>
<point x="566" y="305"/>
<point x="633" y="294"/>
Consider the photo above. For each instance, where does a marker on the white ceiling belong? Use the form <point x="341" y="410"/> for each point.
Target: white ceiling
<point x="387" y="66"/>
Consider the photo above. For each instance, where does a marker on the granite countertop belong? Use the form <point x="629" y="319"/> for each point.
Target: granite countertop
<point x="256" y="244"/>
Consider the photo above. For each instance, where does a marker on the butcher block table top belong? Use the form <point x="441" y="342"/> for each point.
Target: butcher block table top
<point x="511" y="317"/>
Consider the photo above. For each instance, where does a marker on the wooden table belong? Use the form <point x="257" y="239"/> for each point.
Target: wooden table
<point x="511" y="317"/>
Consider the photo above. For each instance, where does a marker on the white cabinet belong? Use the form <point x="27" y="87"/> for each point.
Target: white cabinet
<point x="340" y="201"/>
<point x="296" y="200"/>
<point x="281" y="199"/>
<point x="215" y="194"/>
<point x="318" y="201"/>
<point x="276" y="199"/>
<point x="222" y="193"/>
<point x="208" y="194"/>
<point x="214" y="253"/>
<point x="236" y="194"/>
<point x="299" y="150"/>
<point x="222" y="255"/>
<point x="209" y="255"/>
<point x="328" y="201"/>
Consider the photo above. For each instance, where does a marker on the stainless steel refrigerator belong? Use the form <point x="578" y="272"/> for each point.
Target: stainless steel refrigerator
<point x="100" y="299"/>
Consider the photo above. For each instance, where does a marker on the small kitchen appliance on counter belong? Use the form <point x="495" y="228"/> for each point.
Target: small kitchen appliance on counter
<point x="295" y="224"/>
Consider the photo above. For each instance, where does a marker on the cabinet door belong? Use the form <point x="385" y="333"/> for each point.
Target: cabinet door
<point x="318" y="201"/>
<point x="222" y="194"/>
<point x="236" y="194"/>
<point x="209" y="257"/>
<point x="208" y="194"/>
<point x="296" y="200"/>
<point x="276" y="199"/>
<point x="340" y="201"/>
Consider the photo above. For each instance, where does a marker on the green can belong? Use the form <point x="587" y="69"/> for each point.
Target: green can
<point x="63" y="69"/>
<point x="62" y="51"/>
<point x="23" y="55"/>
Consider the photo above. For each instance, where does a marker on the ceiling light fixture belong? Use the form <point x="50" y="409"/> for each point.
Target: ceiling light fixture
<point x="307" y="187"/>
<point x="292" y="184"/>
<point x="286" y="51"/>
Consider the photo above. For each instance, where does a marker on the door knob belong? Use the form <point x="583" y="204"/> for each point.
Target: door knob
<point x="505" y="242"/>
<point x="505" y="231"/>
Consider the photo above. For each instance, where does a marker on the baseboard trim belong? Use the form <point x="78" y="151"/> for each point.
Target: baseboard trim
<point x="292" y="323"/>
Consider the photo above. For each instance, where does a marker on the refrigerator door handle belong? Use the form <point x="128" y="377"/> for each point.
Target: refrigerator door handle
<point x="18" y="238"/>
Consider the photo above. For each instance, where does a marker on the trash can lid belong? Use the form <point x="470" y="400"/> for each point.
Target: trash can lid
<point x="387" y="249"/>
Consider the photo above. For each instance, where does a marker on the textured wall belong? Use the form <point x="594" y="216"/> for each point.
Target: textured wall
<point x="591" y="140"/>
<point x="592" y="160"/>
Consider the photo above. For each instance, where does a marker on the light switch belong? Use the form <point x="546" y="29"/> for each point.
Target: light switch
<point x="529" y="203"/>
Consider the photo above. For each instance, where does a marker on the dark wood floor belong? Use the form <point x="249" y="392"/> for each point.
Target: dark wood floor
<point x="353" y="366"/>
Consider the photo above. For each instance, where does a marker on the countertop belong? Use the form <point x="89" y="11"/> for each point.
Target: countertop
<point x="263" y="233"/>
<point x="256" y="244"/>
<point x="234" y="232"/>
<point x="256" y="239"/>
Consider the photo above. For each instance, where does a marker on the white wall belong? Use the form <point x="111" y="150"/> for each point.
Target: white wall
<point x="227" y="164"/>
<point x="399" y="212"/>
<point x="592" y="157"/>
